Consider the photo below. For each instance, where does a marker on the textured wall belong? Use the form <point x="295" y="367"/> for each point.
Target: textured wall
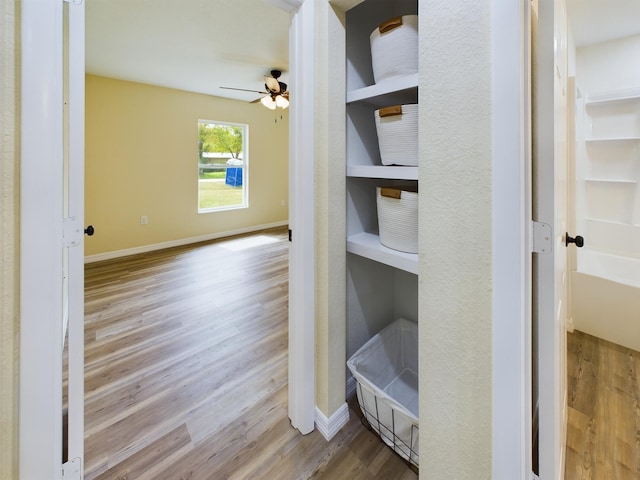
<point x="455" y="231"/>
<point x="9" y="205"/>
<point x="141" y="159"/>
<point x="330" y="215"/>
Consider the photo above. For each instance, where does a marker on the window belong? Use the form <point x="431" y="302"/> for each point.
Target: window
<point x="222" y="166"/>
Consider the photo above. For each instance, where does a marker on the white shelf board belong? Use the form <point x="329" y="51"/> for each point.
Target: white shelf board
<point x="612" y="180"/>
<point x="613" y="140"/>
<point x="381" y="171"/>
<point x="368" y="245"/>
<point x="383" y="88"/>
<point x="606" y="98"/>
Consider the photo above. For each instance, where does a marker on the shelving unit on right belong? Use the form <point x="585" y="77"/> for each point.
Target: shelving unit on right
<point x="604" y="286"/>
<point x="382" y="284"/>
<point x="365" y="170"/>
<point x="608" y="176"/>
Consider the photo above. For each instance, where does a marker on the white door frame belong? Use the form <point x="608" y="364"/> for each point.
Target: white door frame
<point x="302" y="220"/>
<point x="41" y="230"/>
<point x="511" y="168"/>
<point x="74" y="234"/>
<point x="301" y="214"/>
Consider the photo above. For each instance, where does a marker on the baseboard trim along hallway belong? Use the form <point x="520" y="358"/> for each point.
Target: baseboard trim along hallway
<point x="180" y="242"/>
<point x="328" y="427"/>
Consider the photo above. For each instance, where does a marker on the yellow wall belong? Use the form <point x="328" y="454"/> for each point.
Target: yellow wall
<point x="9" y="229"/>
<point x="141" y="159"/>
<point x="330" y="213"/>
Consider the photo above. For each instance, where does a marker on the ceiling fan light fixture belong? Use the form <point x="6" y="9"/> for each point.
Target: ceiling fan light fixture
<point x="282" y="102"/>
<point x="276" y="94"/>
<point x="268" y="102"/>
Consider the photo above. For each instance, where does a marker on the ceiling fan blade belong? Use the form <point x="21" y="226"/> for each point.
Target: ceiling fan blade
<point x="245" y="90"/>
<point x="272" y="84"/>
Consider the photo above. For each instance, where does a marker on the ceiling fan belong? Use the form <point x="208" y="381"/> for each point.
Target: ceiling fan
<point x="276" y="95"/>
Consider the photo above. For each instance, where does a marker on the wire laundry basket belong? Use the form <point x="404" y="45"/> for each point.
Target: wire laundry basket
<point x="386" y="371"/>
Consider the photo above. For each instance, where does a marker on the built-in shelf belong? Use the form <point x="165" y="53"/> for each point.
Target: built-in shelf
<point x="611" y="180"/>
<point x="380" y="171"/>
<point x="612" y="140"/>
<point x="377" y="94"/>
<point x="368" y="245"/>
<point x="610" y="98"/>
<point x="382" y="283"/>
<point x="607" y="189"/>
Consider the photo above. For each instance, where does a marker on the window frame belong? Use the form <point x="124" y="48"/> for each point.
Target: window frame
<point x="245" y="169"/>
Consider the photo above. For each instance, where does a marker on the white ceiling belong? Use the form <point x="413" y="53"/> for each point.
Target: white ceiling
<point x="595" y="21"/>
<point x="201" y="45"/>
<point x="192" y="45"/>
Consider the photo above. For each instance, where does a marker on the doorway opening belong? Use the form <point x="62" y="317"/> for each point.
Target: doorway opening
<point x="604" y="340"/>
<point x="142" y="195"/>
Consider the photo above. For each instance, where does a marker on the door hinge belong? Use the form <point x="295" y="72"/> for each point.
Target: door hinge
<point x="541" y="237"/>
<point x="72" y="232"/>
<point x="290" y="234"/>
<point x="72" y="470"/>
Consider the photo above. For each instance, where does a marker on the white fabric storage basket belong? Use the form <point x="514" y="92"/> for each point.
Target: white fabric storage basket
<point x="398" y="219"/>
<point x="397" y="128"/>
<point x="394" y="48"/>
<point x="386" y="369"/>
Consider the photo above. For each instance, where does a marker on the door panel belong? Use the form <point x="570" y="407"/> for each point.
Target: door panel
<point x="51" y="236"/>
<point x="41" y="308"/>
<point x="74" y="214"/>
<point x="550" y="207"/>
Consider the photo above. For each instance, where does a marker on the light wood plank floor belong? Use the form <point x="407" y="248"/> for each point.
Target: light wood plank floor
<point x="186" y="371"/>
<point x="603" y="434"/>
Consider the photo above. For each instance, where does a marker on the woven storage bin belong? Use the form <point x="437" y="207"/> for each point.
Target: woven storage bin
<point x="386" y="369"/>
<point x="398" y="219"/>
<point x="397" y="129"/>
<point x="394" y="48"/>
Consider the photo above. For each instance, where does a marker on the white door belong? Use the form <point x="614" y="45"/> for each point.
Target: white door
<point x="74" y="231"/>
<point x="301" y="221"/>
<point x="550" y="207"/>
<point x="51" y="238"/>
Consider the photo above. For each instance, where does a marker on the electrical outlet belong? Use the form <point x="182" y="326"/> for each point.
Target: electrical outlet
<point x="144" y="220"/>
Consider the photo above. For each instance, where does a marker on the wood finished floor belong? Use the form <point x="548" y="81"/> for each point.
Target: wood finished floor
<point x="186" y="372"/>
<point x="603" y="431"/>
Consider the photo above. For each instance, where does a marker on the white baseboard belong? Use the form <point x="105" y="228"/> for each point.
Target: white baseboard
<point x="570" y="325"/>
<point x="328" y="427"/>
<point x="178" y="243"/>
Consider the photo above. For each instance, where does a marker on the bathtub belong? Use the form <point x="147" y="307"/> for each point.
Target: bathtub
<point x="605" y="297"/>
